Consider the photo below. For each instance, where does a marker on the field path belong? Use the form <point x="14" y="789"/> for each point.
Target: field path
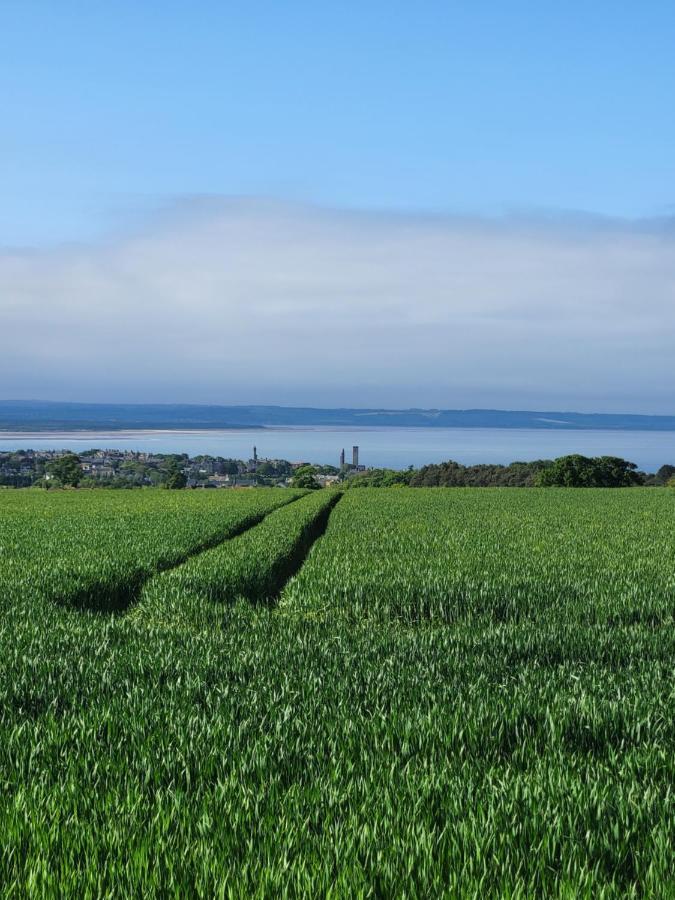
<point x="94" y="551"/>
<point x="254" y="567"/>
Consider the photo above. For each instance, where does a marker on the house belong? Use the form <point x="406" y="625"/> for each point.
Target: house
<point x="219" y="481"/>
<point x="327" y="480"/>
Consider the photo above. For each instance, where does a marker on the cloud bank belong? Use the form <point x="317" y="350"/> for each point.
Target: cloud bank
<point x="241" y="301"/>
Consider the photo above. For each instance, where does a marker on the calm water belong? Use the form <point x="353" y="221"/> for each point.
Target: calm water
<point x="396" y="448"/>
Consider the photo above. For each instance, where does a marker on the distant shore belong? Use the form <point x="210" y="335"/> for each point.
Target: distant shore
<point x="122" y="433"/>
<point x="37" y="417"/>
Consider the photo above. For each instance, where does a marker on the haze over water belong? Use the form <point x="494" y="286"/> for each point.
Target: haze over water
<point x="394" y="448"/>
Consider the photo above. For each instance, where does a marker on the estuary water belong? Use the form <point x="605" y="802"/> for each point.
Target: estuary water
<point x="394" y="448"/>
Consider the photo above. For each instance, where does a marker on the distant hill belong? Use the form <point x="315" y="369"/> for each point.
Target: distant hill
<point x="29" y="416"/>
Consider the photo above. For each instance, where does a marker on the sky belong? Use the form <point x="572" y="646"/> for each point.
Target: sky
<point x="382" y="204"/>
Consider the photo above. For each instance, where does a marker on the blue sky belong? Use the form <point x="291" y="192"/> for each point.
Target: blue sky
<point x="454" y="107"/>
<point x="487" y="189"/>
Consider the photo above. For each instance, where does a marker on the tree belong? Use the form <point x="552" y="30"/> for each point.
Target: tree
<point x="584" y="471"/>
<point x="175" y="477"/>
<point x="379" y="478"/>
<point x="612" y="471"/>
<point x="67" y="469"/>
<point x="304" y="478"/>
<point x="229" y="467"/>
<point x="665" y="474"/>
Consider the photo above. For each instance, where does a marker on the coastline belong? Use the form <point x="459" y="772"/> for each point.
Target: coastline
<point x="383" y="446"/>
<point x="134" y="433"/>
<point x="121" y="433"/>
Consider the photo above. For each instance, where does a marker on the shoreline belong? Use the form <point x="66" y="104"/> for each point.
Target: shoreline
<point x="133" y="433"/>
<point x="123" y="433"/>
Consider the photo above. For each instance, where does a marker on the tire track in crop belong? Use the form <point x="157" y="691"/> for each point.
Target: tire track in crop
<point x="254" y="567"/>
<point x="105" y="599"/>
<point x="303" y="548"/>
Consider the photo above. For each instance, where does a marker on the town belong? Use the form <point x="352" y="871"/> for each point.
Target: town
<point x="132" y="468"/>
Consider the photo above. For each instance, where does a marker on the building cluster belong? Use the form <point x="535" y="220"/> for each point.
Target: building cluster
<point x="132" y="468"/>
<point x="354" y="465"/>
<point x="258" y="467"/>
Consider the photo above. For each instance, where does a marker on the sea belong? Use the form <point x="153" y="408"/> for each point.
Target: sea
<point x="389" y="447"/>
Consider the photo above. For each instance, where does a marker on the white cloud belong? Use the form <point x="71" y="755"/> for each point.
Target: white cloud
<point x="245" y="301"/>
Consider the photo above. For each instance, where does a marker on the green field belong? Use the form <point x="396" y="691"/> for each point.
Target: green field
<point x="395" y="692"/>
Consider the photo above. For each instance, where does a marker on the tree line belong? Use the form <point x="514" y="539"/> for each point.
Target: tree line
<point x="566" y="471"/>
